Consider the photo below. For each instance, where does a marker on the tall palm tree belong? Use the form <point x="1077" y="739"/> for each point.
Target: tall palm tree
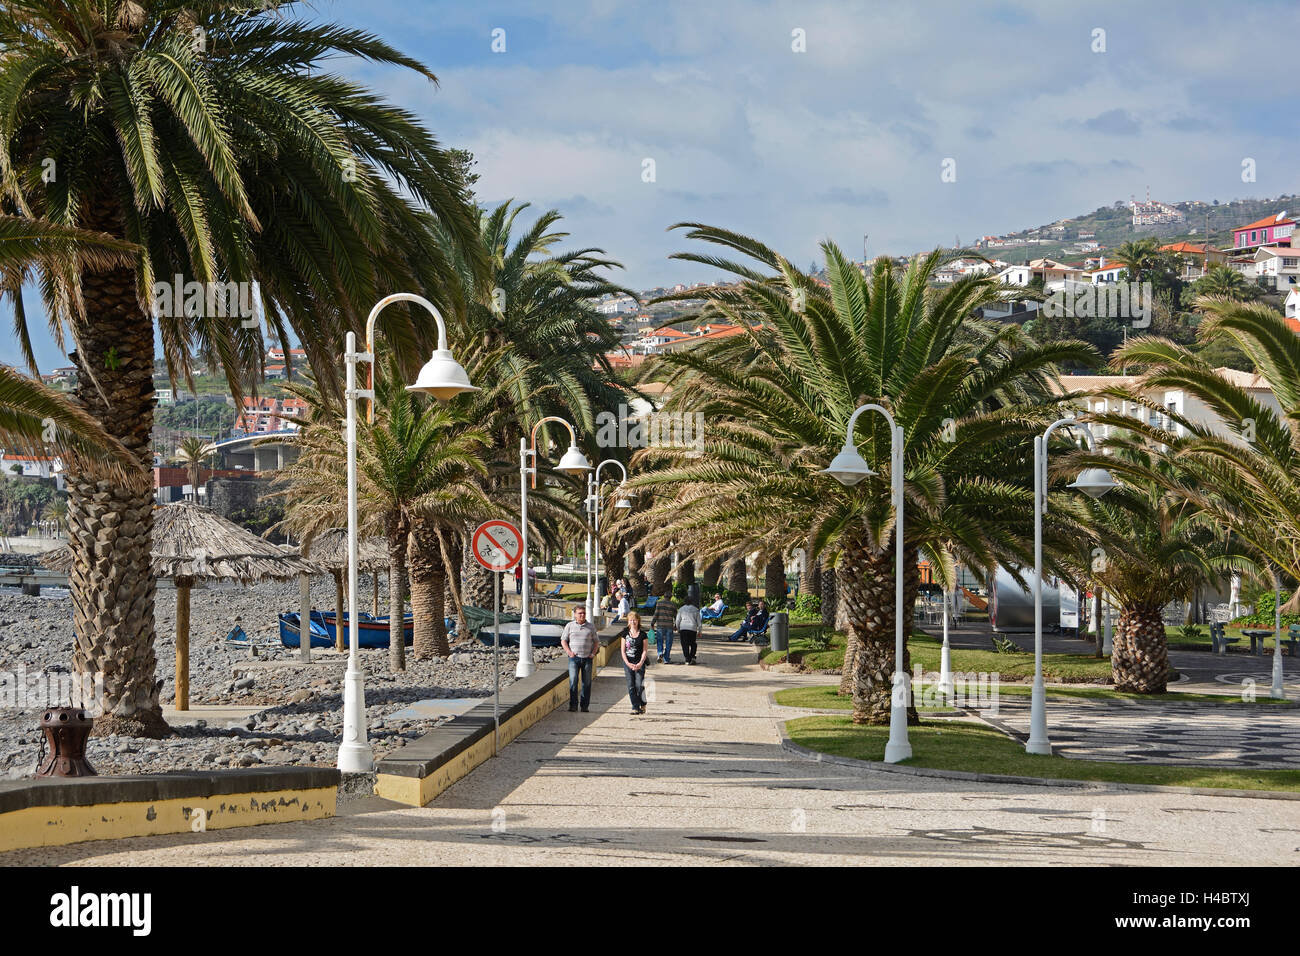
<point x="1138" y="256"/>
<point x="969" y="395"/>
<point x="198" y="131"/>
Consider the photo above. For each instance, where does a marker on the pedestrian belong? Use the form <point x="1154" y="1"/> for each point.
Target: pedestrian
<point x="519" y="579"/>
<point x="624" y="607"/>
<point x="688" y="629"/>
<point x="662" y="622"/>
<point x="636" y="653"/>
<point x="580" y="642"/>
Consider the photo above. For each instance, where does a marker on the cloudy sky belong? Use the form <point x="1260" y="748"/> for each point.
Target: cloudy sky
<point x="799" y="122"/>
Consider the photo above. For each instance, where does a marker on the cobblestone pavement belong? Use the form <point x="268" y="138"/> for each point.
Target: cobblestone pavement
<point x="701" y="779"/>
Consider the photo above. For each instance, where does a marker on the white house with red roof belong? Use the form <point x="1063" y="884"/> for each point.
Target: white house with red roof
<point x="1278" y="267"/>
<point x="1107" y="273"/>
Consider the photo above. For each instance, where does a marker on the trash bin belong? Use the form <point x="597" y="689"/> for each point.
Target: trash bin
<point x="780" y="631"/>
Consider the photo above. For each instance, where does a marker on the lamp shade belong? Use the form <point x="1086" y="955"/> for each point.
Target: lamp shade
<point x="442" y="377"/>
<point x="849" y="467"/>
<point x="623" y="504"/>
<point x="574" y="462"/>
<point x="1095" y="482"/>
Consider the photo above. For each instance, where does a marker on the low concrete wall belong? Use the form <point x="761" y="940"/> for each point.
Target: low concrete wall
<point x="53" y="811"/>
<point x="423" y="769"/>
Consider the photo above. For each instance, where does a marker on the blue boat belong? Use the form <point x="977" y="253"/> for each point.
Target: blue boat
<point x="324" y="632"/>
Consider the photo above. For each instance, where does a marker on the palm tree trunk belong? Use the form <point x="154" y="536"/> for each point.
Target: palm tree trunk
<point x="636" y="574"/>
<point x="397" y="536"/>
<point x="475" y="580"/>
<point x="774" y="583"/>
<point x="110" y="522"/>
<point x="1139" y="656"/>
<point x="736" y="575"/>
<point x="829" y="593"/>
<point x="659" y="574"/>
<point x="866" y="589"/>
<point x="686" y="572"/>
<point x="339" y="644"/>
<point x="428" y="584"/>
<point x="712" y="574"/>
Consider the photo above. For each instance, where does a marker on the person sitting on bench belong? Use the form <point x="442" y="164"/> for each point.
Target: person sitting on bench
<point x="714" y="610"/>
<point x="754" y="623"/>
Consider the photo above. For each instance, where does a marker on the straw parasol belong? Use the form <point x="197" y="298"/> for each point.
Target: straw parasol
<point x="191" y="543"/>
<point x="329" y="550"/>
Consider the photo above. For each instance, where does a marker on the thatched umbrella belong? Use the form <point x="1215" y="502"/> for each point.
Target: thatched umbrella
<point x="190" y="543"/>
<point x="329" y="550"/>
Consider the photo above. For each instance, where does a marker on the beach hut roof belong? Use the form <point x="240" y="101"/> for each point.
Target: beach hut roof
<point x="192" y="541"/>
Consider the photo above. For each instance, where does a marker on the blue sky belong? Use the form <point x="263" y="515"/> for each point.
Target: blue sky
<point x="849" y="136"/>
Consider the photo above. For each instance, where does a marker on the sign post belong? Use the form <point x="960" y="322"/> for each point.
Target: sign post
<point x="497" y="546"/>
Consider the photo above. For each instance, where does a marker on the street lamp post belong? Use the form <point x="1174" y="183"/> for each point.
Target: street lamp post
<point x="849" y="468"/>
<point x="593" y="532"/>
<point x="1093" y="482"/>
<point x="573" y="462"/>
<point x="442" y="377"/>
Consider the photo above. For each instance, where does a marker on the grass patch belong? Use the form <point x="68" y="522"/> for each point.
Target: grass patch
<point x="977" y="749"/>
<point x="826" y="697"/>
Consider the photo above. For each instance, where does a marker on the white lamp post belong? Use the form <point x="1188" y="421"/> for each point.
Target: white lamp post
<point x="1093" y="482"/>
<point x="593" y="531"/>
<point x="441" y="377"/>
<point x="945" y="656"/>
<point x="1277" y="692"/>
<point x="848" y="468"/>
<point x="573" y="462"/>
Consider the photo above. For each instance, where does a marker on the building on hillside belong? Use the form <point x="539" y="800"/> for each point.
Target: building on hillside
<point x="17" y="465"/>
<point x="1154" y="213"/>
<point x="1277" y="267"/>
<point x="1269" y="231"/>
<point x="1107" y="273"/>
<point x="1197" y="258"/>
<point x="266" y="414"/>
<point x="1054" y="274"/>
<point x="1169" y="399"/>
<point x="1291" y="307"/>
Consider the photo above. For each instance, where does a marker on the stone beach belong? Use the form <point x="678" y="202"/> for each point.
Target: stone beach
<point x="301" y="717"/>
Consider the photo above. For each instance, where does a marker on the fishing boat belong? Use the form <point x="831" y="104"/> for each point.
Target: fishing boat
<point x="324" y="630"/>
<point x="545" y="633"/>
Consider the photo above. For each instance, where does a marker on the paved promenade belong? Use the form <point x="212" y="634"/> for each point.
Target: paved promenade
<point x="701" y="779"/>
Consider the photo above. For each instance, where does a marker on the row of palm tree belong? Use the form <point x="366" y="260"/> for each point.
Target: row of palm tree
<point x="969" y="396"/>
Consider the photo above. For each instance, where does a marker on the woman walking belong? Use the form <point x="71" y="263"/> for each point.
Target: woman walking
<point x="635" y="651"/>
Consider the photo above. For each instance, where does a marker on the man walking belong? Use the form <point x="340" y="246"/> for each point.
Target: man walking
<point x="579" y="641"/>
<point x="665" y="617"/>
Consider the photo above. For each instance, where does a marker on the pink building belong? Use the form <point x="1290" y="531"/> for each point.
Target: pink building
<point x="1269" y="231"/>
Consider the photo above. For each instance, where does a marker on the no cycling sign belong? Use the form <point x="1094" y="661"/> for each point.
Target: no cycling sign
<point x="497" y="545"/>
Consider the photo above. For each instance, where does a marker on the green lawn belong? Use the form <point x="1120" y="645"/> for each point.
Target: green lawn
<point x="826" y="697"/>
<point x="978" y="749"/>
<point x="926" y="650"/>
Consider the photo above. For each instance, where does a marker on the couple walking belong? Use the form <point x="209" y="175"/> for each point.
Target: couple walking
<point x="580" y="642"/>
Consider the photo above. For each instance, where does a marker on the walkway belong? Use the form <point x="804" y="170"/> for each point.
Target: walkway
<point x="701" y="779"/>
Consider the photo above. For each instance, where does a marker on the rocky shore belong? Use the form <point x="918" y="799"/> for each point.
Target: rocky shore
<point x="298" y="718"/>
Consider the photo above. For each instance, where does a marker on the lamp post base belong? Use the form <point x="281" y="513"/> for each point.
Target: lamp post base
<point x="898" y="747"/>
<point x="945" y="672"/>
<point x="1038" y="742"/>
<point x="1277" y="692"/>
<point x="355" y="755"/>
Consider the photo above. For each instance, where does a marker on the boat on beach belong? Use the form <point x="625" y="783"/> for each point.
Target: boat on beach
<point x="324" y="630"/>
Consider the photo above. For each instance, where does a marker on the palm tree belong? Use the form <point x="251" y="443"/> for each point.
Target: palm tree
<point x="1155" y="545"/>
<point x="969" y="395"/>
<point x="1138" y="256"/>
<point x="1226" y="282"/>
<point x="1244" y="472"/>
<point x="193" y="453"/>
<point x="199" y="132"/>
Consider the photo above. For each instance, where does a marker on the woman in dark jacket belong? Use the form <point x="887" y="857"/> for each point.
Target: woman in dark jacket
<point x="635" y="650"/>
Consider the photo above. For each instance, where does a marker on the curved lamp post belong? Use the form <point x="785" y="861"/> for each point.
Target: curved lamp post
<point x="593" y="534"/>
<point x="1093" y="482"/>
<point x="849" y="468"/>
<point x="442" y="377"/>
<point x="573" y="462"/>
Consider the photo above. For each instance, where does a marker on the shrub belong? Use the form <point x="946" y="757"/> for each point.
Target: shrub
<point x="1265" y="602"/>
<point x="1189" y="632"/>
<point x="808" y="607"/>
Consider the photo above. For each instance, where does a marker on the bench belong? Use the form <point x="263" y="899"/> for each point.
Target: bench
<point x="1292" y="639"/>
<point x="1219" y="641"/>
<point x="707" y="615"/>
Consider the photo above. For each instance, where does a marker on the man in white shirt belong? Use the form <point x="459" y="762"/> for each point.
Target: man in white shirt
<point x="687" y="625"/>
<point x="714" y="610"/>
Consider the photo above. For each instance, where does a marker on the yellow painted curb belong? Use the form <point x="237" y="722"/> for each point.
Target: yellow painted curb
<point x="60" y="825"/>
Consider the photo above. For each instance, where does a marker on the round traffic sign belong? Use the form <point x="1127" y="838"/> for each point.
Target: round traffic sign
<point x="497" y="545"/>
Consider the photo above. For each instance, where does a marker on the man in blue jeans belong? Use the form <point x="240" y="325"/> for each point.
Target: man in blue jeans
<point x="580" y="642"/>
